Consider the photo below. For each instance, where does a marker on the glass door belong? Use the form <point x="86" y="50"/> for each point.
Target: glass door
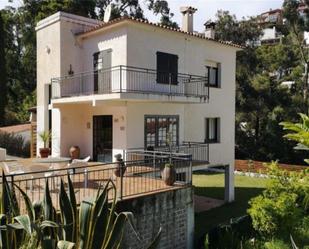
<point x="103" y="138"/>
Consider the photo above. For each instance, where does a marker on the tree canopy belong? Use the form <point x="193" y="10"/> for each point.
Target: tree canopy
<point x="19" y="54"/>
<point x="261" y="101"/>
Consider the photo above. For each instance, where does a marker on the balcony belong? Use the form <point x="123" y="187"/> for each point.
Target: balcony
<point x="198" y="151"/>
<point x="131" y="81"/>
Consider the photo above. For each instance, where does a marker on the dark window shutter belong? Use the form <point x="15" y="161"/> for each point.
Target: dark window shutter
<point x="173" y="68"/>
<point x="162" y="68"/>
<point x="167" y="68"/>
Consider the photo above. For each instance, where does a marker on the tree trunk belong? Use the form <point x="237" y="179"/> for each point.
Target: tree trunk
<point x="305" y="88"/>
<point x="257" y="128"/>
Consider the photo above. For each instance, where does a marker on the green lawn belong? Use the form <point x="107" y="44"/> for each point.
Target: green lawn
<point x="212" y="185"/>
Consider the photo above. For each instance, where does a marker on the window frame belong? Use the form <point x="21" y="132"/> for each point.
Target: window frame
<point x="217" y="130"/>
<point x="157" y="117"/>
<point x="216" y="84"/>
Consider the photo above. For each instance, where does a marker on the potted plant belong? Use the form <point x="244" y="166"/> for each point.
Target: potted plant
<point x="169" y="174"/>
<point x="45" y="136"/>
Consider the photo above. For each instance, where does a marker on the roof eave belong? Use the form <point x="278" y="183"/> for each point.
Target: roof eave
<point x="122" y="20"/>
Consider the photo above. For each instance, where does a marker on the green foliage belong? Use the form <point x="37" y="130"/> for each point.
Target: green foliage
<point x="3" y="73"/>
<point x="261" y="101"/>
<point x="96" y="225"/>
<point x="299" y="132"/>
<point x="45" y="136"/>
<point x="14" y="144"/>
<point x="233" y="235"/>
<point x="282" y="208"/>
<point x="228" y="28"/>
<point x="18" y="50"/>
<point x="276" y="244"/>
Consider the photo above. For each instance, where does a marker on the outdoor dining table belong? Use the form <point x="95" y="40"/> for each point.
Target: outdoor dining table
<point x="51" y="162"/>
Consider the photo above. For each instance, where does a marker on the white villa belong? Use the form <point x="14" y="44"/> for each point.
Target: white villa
<point x="128" y="83"/>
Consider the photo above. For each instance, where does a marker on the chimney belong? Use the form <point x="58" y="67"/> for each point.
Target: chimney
<point x="210" y="29"/>
<point x="187" y="19"/>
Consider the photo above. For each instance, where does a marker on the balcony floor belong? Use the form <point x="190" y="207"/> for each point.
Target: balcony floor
<point x="136" y="97"/>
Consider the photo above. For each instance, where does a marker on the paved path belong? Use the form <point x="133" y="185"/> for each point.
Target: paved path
<point x="202" y="203"/>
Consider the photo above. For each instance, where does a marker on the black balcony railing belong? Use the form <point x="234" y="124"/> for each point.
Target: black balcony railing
<point x="198" y="151"/>
<point x="125" y="79"/>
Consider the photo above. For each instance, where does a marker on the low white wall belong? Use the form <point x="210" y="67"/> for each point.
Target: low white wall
<point x="2" y="154"/>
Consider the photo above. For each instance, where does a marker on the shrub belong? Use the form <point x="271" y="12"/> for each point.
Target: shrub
<point x="14" y="144"/>
<point x="281" y="209"/>
<point x="277" y="244"/>
<point x="93" y="224"/>
<point x="232" y="235"/>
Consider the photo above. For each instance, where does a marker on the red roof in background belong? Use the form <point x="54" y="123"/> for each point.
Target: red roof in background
<point x="16" y="128"/>
<point x="272" y="11"/>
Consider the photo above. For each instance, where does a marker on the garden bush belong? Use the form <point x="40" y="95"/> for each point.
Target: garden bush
<point x="14" y="144"/>
<point x="283" y="208"/>
<point x="232" y="235"/>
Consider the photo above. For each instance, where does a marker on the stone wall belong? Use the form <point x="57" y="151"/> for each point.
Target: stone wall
<point x="172" y="210"/>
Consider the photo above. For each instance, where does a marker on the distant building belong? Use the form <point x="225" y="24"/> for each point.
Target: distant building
<point x="271" y="17"/>
<point x="288" y="84"/>
<point x="271" y="36"/>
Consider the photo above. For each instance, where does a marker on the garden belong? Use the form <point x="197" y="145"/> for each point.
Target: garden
<point x="269" y="213"/>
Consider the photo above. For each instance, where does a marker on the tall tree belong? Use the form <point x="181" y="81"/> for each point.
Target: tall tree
<point x="228" y="28"/>
<point x="21" y="39"/>
<point x="261" y="101"/>
<point x="298" y="25"/>
<point x="3" y="74"/>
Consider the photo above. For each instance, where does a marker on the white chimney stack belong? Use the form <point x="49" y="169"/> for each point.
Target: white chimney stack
<point x="187" y="19"/>
<point x="210" y="29"/>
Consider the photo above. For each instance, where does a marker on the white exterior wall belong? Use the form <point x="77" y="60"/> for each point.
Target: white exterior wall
<point x="47" y="38"/>
<point x="194" y="54"/>
<point x="115" y="39"/>
<point x="77" y="126"/>
<point x="136" y="112"/>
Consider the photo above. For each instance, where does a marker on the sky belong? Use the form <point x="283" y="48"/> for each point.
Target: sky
<point x="207" y="9"/>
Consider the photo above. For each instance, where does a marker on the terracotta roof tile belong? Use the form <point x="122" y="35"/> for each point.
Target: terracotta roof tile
<point x="127" y="18"/>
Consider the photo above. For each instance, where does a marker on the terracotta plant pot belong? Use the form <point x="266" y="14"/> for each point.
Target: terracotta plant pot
<point x="120" y="168"/>
<point x="44" y="152"/>
<point x="74" y="152"/>
<point x="169" y="175"/>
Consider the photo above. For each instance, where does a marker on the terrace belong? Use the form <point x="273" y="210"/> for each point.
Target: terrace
<point x="142" y="176"/>
<point x="130" y="81"/>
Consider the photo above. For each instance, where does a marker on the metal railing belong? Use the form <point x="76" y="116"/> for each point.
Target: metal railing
<point x="140" y="174"/>
<point x="127" y="79"/>
<point x="198" y="151"/>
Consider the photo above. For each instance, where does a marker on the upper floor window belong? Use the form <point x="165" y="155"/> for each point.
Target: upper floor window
<point x="167" y="68"/>
<point x="213" y="75"/>
<point x="212" y="130"/>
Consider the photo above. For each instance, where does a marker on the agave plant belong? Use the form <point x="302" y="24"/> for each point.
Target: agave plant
<point x="94" y="224"/>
